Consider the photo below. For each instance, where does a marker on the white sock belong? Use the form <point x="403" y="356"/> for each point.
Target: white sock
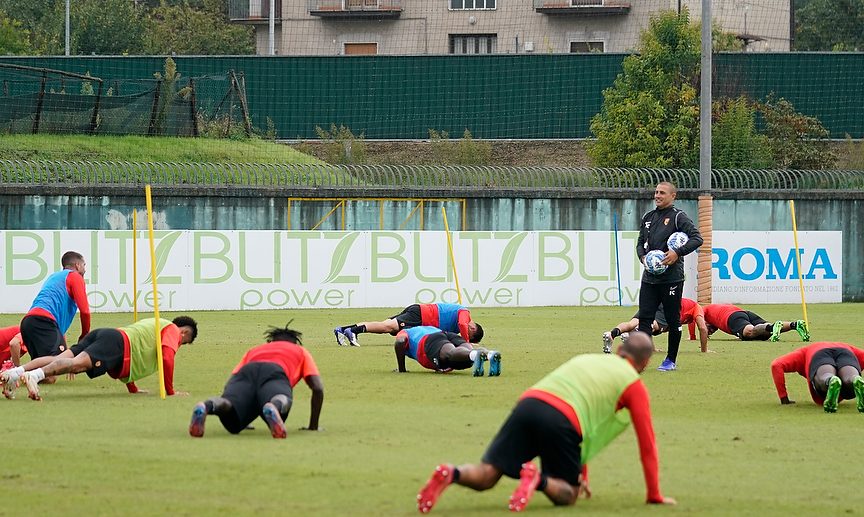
<point x="473" y="354"/>
<point x="38" y="373"/>
<point x="16" y="373"/>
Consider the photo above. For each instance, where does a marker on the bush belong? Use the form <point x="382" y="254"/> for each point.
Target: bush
<point x="796" y="141"/>
<point x="466" y="151"/>
<point x="735" y="142"/>
<point x="344" y="147"/>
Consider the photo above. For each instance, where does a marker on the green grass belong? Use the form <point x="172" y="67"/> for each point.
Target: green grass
<point x="727" y="447"/>
<point x="147" y="149"/>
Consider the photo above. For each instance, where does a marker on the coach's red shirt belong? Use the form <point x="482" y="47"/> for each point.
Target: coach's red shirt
<point x="717" y="315"/>
<point x="295" y="361"/>
<point x="798" y="361"/>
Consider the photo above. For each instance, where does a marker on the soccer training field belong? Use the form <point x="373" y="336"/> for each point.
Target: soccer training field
<point x="727" y="447"/>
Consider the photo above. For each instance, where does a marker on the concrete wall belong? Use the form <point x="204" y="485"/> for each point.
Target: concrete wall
<point x="45" y="207"/>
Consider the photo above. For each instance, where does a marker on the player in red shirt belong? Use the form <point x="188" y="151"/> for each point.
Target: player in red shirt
<point x="833" y="372"/>
<point x="749" y="326"/>
<point x="262" y="385"/>
<point x="691" y="315"/>
<point x="11" y="345"/>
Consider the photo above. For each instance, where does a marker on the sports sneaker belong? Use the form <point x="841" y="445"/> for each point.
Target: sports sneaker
<point x="351" y="337"/>
<point x="667" y="366"/>
<point x="199" y="415"/>
<point x="431" y="491"/>
<point x="776" y="330"/>
<point x="274" y="421"/>
<point x="479" y="369"/>
<point x="32" y="385"/>
<point x="607" y="342"/>
<point x="494" y="363"/>
<point x="9" y="388"/>
<point x="529" y="476"/>
<point x="341" y="339"/>
<point x="803" y="331"/>
<point x="833" y="395"/>
<point x="858" y="385"/>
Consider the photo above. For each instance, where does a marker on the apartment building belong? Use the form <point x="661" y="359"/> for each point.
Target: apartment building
<point x="406" y="27"/>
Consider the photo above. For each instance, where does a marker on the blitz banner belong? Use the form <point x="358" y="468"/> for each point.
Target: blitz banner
<point x="231" y="270"/>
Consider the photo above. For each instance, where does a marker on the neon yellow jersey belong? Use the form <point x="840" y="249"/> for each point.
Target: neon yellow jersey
<point x="592" y="384"/>
<point x="142" y="347"/>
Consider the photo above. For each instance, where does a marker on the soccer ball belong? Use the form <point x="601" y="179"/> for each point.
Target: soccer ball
<point x="653" y="261"/>
<point x="676" y="240"/>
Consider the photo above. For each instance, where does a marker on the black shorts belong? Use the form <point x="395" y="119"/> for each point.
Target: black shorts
<point x="838" y="358"/>
<point x="105" y="348"/>
<point x="740" y="319"/>
<point x="433" y="345"/>
<point x="660" y="318"/>
<point x="249" y="389"/>
<point x="408" y="318"/>
<point x="42" y="336"/>
<point x="533" y="429"/>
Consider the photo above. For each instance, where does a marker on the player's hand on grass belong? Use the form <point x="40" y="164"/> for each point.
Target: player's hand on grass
<point x="397" y="370"/>
<point x="142" y="392"/>
<point x="310" y="429"/>
<point x="70" y="376"/>
<point x="583" y="491"/>
<point x="181" y="393"/>
<point x="785" y="401"/>
<point x="668" y="500"/>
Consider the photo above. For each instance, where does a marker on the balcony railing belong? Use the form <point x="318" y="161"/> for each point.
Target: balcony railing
<point x="253" y="11"/>
<point x="582" y="7"/>
<point x="355" y="8"/>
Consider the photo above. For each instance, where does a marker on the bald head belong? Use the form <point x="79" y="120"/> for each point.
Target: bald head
<point x="638" y="348"/>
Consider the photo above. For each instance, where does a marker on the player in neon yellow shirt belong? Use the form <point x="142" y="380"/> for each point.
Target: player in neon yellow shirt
<point x="565" y="419"/>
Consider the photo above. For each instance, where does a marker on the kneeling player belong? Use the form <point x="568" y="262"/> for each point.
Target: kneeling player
<point x="443" y="351"/>
<point x="125" y="353"/>
<point x="832" y="369"/>
<point x="262" y="385"/>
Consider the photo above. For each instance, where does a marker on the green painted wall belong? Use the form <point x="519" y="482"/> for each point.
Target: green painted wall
<point x="500" y="96"/>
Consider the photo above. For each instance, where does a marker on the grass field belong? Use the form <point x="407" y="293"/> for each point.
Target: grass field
<point x="147" y="149"/>
<point x="727" y="447"/>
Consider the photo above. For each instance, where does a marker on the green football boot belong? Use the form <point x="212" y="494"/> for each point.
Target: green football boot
<point x="858" y="384"/>
<point x="803" y="331"/>
<point x="775" y="331"/>
<point x="833" y="396"/>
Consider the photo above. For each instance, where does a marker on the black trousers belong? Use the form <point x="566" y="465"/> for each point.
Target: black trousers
<point x="650" y="298"/>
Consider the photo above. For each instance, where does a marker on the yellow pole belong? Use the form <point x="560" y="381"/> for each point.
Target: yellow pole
<point x="452" y="256"/>
<point x="798" y="262"/>
<point x="155" y="294"/>
<point x="134" y="264"/>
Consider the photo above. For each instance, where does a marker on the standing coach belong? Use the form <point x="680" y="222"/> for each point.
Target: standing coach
<point x="657" y="225"/>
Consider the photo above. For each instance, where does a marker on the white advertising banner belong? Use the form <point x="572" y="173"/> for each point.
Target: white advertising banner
<point x="221" y="270"/>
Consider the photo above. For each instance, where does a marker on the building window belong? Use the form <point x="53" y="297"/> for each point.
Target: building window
<point x="472" y="4"/>
<point x="473" y="43"/>
<point x="585" y="47"/>
<point x="581" y="3"/>
<point x="361" y="49"/>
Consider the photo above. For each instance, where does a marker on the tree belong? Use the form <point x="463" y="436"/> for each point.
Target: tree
<point x="650" y="115"/>
<point x="14" y="39"/>
<point x="181" y="28"/>
<point x="106" y="27"/>
<point x="830" y="25"/>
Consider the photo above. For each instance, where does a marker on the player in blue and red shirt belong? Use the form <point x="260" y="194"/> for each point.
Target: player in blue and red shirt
<point x="62" y="295"/>
<point x="262" y="385"/>
<point x="450" y="317"/>
<point x="443" y="351"/>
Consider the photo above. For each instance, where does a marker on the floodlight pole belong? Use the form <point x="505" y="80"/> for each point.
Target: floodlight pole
<point x="706" y="201"/>
<point x="67" y="27"/>
<point x="705" y="102"/>
<point x="271" y="36"/>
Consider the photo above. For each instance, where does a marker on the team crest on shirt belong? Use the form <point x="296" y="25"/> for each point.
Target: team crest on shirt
<point x="666" y="222"/>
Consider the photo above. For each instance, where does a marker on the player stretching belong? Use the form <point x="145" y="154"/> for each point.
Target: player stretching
<point x="691" y="315"/>
<point x="833" y="372"/>
<point x="749" y="326"/>
<point x="262" y="385"/>
<point x="125" y="353"/>
<point x="450" y="317"/>
<point x="565" y="419"/>
<point x="62" y="295"/>
<point x="443" y="351"/>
